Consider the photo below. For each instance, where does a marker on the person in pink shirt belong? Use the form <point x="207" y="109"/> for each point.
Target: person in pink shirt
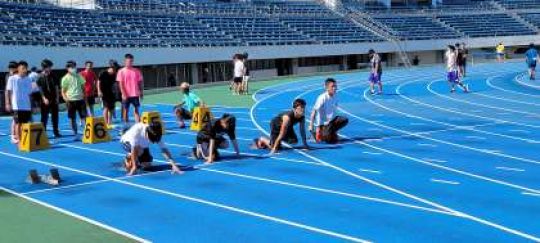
<point x="89" y="86"/>
<point x="130" y="81"/>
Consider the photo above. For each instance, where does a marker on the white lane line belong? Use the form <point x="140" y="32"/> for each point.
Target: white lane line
<point x="473" y="218"/>
<point x="370" y="171"/>
<point x="372" y="129"/>
<point x="444" y="181"/>
<point x="476" y="137"/>
<point x="77" y="216"/>
<point x="427" y="145"/>
<point x="199" y="200"/>
<point x="531" y="194"/>
<point x="372" y="153"/>
<point x="434" y="160"/>
<point x="373" y="140"/>
<point x="509" y="169"/>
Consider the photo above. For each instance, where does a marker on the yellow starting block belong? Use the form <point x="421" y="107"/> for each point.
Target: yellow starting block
<point x="95" y="130"/>
<point x="201" y="116"/>
<point x="153" y="116"/>
<point x="33" y="137"/>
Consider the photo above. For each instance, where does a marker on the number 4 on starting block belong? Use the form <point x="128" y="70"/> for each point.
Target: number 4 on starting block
<point x="201" y="116"/>
<point x="153" y="116"/>
<point x="33" y="137"/>
<point x="95" y="130"/>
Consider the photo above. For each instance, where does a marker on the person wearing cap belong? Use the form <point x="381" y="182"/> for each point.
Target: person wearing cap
<point x="72" y="87"/>
<point x="89" y="86"/>
<point x="106" y="88"/>
<point x="18" y="91"/>
<point x="531" y="57"/>
<point x="130" y="81"/>
<point x="184" y="110"/>
<point x="49" y="88"/>
<point x="376" y="72"/>
<point x="136" y="142"/>
<point x="211" y="138"/>
<point x="282" y="128"/>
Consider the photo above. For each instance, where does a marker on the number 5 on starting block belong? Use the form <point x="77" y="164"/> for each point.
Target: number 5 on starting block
<point x="153" y="116"/>
<point x="201" y="116"/>
<point x="95" y="130"/>
<point x="33" y="137"/>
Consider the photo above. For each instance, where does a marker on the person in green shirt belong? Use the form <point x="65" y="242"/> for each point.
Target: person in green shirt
<point x="72" y="86"/>
<point x="185" y="109"/>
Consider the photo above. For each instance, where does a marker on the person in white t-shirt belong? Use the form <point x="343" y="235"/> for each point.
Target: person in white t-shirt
<point x="324" y="117"/>
<point x="136" y="142"/>
<point x="452" y="70"/>
<point x="18" y="91"/>
<point x="239" y="73"/>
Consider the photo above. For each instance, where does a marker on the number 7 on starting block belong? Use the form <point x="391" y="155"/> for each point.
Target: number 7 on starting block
<point x="33" y="137"/>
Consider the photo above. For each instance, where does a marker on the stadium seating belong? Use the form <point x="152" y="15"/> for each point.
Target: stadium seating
<point x="203" y="23"/>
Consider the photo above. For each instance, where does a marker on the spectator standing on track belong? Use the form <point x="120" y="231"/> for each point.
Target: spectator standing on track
<point x="36" y="95"/>
<point x="531" y="57"/>
<point x="245" y="80"/>
<point x="12" y="70"/>
<point x="49" y="87"/>
<point x="460" y="60"/>
<point x="72" y="86"/>
<point x="376" y="72"/>
<point x="239" y="73"/>
<point x="323" y="116"/>
<point x="106" y="91"/>
<point x="90" y="84"/>
<point x="452" y="69"/>
<point x="500" y="49"/>
<point x="130" y="80"/>
<point x="18" y="99"/>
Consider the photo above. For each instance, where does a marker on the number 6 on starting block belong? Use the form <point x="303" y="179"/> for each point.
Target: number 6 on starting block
<point x="153" y="116"/>
<point x="33" y="137"/>
<point x="95" y="130"/>
<point x="201" y="116"/>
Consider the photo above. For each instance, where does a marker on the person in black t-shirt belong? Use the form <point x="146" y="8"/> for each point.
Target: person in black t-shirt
<point x="106" y="90"/>
<point x="282" y="128"/>
<point x="49" y="87"/>
<point x="210" y="138"/>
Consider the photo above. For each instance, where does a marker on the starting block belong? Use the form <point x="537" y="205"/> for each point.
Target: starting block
<point x="33" y="137"/>
<point x="95" y="130"/>
<point x="53" y="178"/>
<point x="153" y="116"/>
<point x="201" y="116"/>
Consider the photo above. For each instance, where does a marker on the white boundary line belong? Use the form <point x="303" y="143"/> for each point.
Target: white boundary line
<point x="76" y="216"/>
<point x="201" y="201"/>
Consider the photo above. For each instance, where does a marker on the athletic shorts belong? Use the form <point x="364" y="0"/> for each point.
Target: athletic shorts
<point x="532" y="64"/>
<point x="452" y="76"/>
<point x="108" y="102"/>
<point x="500" y="54"/>
<point x="375" y="78"/>
<point x="22" y="116"/>
<point x="144" y="157"/>
<point x="290" y="136"/>
<point x="131" y="101"/>
<point x="238" y="79"/>
<point x="76" y="106"/>
<point x="90" y="100"/>
<point x="185" y="114"/>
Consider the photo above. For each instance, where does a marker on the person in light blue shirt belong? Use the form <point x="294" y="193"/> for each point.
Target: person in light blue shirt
<point x="531" y="56"/>
<point x="185" y="109"/>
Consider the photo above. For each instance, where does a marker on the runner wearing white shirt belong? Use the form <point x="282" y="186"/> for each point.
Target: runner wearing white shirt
<point x="136" y="142"/>
<point x="324" y="117"/>
<point x="239" y="72"/>
<point x="452" y="70"/>
<point x="18" y="91"/>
